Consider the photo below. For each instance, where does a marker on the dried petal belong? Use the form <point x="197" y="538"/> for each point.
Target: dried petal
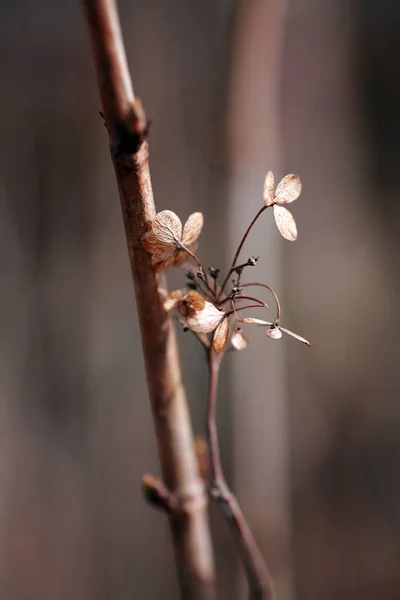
<point x="192" y="229"/>
<point x="221" y="336"/>
<point x="192" y="301"/>
<point x="172" y="300"/>
<point x="288" y="189"/>
<point x="274" y="333"/>
<point x="298" y="337"/>
<point x="159" y="262"/>
<point x="269" y="189"/>
<point x="285" y="223"/>
<point x="167" y="227"/>
<point x="206" y="320"/>
<point x="239" y="339"/>
<point x="152" y="244"/>
<point x="255" y="321"/>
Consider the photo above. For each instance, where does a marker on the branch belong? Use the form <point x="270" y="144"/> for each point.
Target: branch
<point x="257" y="573"/>
<point x="127" y="129"/>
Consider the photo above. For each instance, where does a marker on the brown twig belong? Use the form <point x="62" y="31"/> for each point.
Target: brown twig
<point x="258" y="576"/>
<point x="127" y="129"/>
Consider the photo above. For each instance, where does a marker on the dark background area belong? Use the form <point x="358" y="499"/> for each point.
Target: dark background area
<point x="310" y="437"/>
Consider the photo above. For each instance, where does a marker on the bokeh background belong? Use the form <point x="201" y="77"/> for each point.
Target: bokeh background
<point x="311" y="437"/>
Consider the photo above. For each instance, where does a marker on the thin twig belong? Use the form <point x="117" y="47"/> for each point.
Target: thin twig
<point x="233" y="266"/>
<point x="258" y="576"/>
<point x="127" y="129"/>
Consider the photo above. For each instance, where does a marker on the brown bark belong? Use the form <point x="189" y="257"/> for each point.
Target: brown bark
<point x="127" y="130"/>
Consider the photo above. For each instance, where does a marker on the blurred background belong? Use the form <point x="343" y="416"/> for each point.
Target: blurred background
<point x="310" y="437"/>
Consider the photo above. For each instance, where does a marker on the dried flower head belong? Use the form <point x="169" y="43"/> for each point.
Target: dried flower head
<point x="287" y="191"/>
<point x="168" y="244"/>
<point x="200" y="315"/>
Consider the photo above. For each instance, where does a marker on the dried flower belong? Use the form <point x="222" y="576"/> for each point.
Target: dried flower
<point x="221" y="335"/>
<point x="275" y="330"/>
<point x="287" y="191"/>
<point x="201" y="316"/>
<point x="167" y="242"/>
<point x="239" y="339"/>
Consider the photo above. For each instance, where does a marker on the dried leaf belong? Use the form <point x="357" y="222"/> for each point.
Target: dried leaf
<point x="298" y="337"/>
<point x="206" y="320"/>
<point x="250" y="320"/>
<point x="274" y="333"/>
<point x="192" y="229"/>
<point x="239" y="339"/>
<point x="288" y="189"/>
<point x="167" y="227"/>
<point x="172" y="300"/>
<point x="285" y="223"/>
<point x="269" y="188"/>
<point x="221" y="336"/>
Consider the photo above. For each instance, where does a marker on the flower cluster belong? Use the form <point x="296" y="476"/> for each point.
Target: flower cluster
<point x="210" y="309"/>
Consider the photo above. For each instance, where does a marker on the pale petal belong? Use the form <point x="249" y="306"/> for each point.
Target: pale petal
<point x="285" y="223"/>
<point x="172" y="300"/>
<point x="298" y="337"/>
<point x="274" y="333"/>
<point x="269" y="188"/>
<point x="221" y="336"/>
<point x="192" y="228"/>
<point x="152" y="244"/>
<point x="250" y="320"/>
<point x="167" y="227"/>
<point x="206" y="320"/>
<point x="239" y="339"/>
<point x="288" y="189"/>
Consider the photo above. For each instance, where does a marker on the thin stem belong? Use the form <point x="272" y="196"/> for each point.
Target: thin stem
<point x="228" y="314"/>
<point x="260" y="302"/>
<point x="233" y="266"/>
<point x="126" y="130"/>
<point x="257" y="573"/>
<point x="203" y="278"/>
<point x="270" y="289"/>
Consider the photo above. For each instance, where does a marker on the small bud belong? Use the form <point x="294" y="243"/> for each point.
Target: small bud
<point x="252" y="261"/>
<point x="213" y="272"/>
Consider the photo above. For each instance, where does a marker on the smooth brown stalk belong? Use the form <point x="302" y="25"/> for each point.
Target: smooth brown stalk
<point x="257" y="573"/>
<point x="127" y="129"/>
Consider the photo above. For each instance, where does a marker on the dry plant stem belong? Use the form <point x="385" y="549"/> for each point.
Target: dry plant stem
<point x="188" y="519"/>
<point x="233" y="266"/>
<point x="257" y="573"/>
